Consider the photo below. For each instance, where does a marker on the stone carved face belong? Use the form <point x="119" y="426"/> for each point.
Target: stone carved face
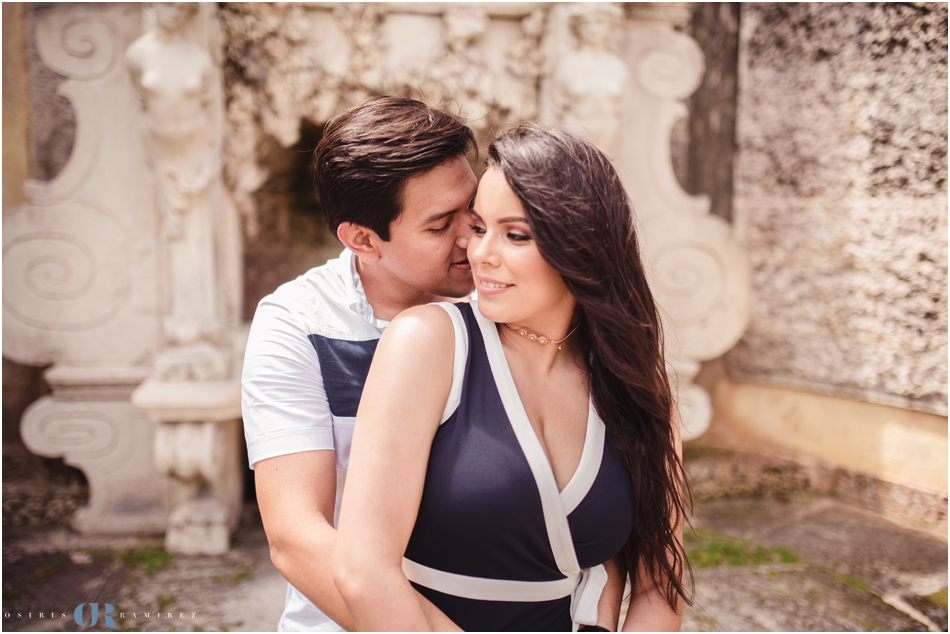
<point x="170" y="16"/>
<point x="593" y="23"/>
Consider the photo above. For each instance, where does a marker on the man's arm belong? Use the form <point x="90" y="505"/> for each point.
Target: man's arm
<point x="296" y="494"/>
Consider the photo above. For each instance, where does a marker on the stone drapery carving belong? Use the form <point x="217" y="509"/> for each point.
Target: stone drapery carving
<point x="80" y="279"/>
<point x="460" y="75"/>
<point x="526" y="62"/>
<point x="295" y="62"/>
<point x="193" y="392"/>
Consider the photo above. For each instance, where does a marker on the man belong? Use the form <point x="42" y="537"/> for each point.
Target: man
<point x="395" y="187"/>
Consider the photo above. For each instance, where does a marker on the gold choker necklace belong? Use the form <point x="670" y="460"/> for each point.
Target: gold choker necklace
<point x="530" y="336"/>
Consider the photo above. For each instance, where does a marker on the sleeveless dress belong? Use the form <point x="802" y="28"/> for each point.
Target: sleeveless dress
<point x="495" y="545"/>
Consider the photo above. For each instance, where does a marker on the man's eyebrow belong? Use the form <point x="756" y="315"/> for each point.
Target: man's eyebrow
<point x="439" y="215"/>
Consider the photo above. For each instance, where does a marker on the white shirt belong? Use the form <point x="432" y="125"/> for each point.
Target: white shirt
<point x="287" y="405"/>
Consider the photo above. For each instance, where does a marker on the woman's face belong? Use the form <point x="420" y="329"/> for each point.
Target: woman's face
<point x="514" y="283"/>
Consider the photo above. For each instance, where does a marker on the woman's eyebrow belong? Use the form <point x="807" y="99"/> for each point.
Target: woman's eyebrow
<point x="500" y="221"/>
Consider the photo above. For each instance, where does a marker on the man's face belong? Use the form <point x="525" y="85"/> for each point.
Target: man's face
<point x="426" y="251"/>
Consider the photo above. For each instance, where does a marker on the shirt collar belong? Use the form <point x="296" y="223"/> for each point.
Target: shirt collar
<point x="358" y="302"/>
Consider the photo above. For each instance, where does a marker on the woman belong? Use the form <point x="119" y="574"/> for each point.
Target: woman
<point x="521" y="451"/>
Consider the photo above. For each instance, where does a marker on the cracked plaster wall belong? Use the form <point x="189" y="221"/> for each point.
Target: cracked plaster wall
<point x="841" y="199"/>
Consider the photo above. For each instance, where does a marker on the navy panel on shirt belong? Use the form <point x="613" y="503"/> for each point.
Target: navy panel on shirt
<point x="344" y="366"/>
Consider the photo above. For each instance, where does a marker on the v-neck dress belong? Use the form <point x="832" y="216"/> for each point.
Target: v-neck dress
<point x="496" y="545"/>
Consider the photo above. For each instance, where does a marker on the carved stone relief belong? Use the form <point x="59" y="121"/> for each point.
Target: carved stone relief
<point x="321" y="58"/>
<point x="80" y="278"/>
<point x="79" y="260"/>
<point x="627" y="103"/>
<point x="586" y="90"/>
<point x="87" y="423"/>
<point x="179" y="84"/>
<point x="699" y="273"/>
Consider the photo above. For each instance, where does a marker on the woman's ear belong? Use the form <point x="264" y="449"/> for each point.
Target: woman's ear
<point x="360" y="240"/>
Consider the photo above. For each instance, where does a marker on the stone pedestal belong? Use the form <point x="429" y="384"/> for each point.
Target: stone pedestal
<point x="197" y="447"/>
<point x="90" y="423"/>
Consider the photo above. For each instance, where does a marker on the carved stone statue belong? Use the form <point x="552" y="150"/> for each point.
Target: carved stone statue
<point x="192" y="395"/>
<point x="175" y="77"/>
<point x="588" y="83"/>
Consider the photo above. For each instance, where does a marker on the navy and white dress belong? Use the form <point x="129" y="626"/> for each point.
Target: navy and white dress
<point x="496" y="546"/>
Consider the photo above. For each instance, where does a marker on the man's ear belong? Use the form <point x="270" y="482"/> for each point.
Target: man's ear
<point x="360" y="240"/>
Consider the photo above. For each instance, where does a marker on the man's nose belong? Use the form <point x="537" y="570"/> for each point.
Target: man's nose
<point x="463" y="232"/>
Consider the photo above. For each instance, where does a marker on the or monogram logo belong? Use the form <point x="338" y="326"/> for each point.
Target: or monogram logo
<point x="80" y="618"/>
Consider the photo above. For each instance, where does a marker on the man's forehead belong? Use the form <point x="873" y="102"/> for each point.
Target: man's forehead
<point x="438" y="193"/>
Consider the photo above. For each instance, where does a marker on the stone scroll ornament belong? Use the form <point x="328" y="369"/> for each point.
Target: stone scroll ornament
<point x="627" y="103"/>
<point x="79" y="279"/>
<point x="700" y="275"/>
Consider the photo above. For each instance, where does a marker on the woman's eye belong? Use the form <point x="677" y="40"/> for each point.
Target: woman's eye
<point x="477" y="230"/>
<point x="518" y="237"/>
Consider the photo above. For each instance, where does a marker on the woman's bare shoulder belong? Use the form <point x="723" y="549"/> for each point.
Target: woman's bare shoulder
<point x="423" y="331"/>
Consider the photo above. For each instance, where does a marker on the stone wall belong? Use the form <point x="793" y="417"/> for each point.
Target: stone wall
<point x="841" y="199"/>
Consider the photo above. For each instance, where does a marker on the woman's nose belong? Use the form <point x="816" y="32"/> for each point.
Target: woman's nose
<point x="482" y="249"/>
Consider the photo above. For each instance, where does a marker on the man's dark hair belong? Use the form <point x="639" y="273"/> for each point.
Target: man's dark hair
<point x="367" y="153"/>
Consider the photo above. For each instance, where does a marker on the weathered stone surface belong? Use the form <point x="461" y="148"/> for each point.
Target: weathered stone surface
<point x="841" y="181"/>
<point x="855" y="571"/>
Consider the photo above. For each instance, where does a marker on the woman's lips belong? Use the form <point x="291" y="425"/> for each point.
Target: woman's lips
<point x="488" y="286"/>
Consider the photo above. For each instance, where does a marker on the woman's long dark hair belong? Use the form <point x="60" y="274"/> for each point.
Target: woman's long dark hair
<point x="582" y="221"/>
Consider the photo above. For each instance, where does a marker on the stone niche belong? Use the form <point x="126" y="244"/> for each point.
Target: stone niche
<point x="617" y="74"/>
<point x="125" y="272"/>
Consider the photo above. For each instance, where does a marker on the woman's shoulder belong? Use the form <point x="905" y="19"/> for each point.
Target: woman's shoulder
<point x="423" y="326"/>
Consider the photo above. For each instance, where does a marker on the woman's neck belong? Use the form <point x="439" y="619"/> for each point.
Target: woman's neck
<point x="545" y="358"/>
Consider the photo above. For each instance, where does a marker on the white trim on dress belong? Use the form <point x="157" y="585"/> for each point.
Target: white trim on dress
<point x="458" y="362"/>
